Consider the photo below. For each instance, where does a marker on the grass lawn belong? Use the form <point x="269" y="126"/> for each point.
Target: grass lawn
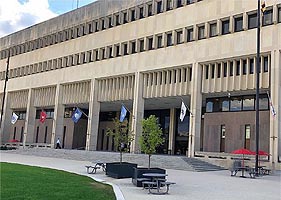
<point x="36" y="183"/>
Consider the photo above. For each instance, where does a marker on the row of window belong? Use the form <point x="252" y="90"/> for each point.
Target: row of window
<point x="223" y="27"/>
<point x="236" y="103"/>
<point x="116" y="19"/>
<point x="235" y="67"/>
<point x="218" y="27"/>
<point x="168" y="76"/>
<point x="121" y="49"/>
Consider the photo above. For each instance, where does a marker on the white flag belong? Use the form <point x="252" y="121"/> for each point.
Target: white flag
<point x="14" y="118"/>
<point x="183" y="111"/>
<point x="273" y="112"/>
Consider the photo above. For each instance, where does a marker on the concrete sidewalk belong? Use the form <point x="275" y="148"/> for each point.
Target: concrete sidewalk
<point x="218" y="185"/>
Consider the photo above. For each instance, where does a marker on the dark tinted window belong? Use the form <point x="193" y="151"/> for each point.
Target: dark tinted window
<point x="235" y="104"/>
<point x="219" y="70"/>
<point x="251" y="68"/>
<point x="225" y="27"/>
<point x="150" y="43"/>
<point x="267" y="17"/>
<point x="169" y="39"/>
<point x="224" y="69"/>
<point x="252" y="21"/>
<point x="238" y="24"/>
<point x="265" y="64"/>
<point x="190" y="35"/>
<point x="244" y="67"/>
<point x="237" y="68"/>
<point x="248" y="103"/>
<point x="213" y="30"/>
<point x="201" y="32"/>
<point x="159" y="7"/>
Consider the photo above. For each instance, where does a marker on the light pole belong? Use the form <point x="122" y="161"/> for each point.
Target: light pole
<point x="4" y="92"/>
<point x="257" y="88"/>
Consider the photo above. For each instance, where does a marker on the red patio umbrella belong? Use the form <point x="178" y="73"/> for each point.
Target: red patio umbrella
<point x="263" y="153"/>
<point x="243" y="152"/>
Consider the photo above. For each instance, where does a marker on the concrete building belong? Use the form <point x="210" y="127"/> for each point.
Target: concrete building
<point x="149" y="55"/>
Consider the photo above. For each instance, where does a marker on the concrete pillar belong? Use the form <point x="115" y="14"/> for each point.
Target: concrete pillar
<point x="57" y="129"/>
<point x="275" y="94"/>
<point x="172" y="130"/>
<point x="138" y="112"/>
<point x="195" y="108"/>
<point x="28" y="136"/>
<point x="93" y="120"/>
<point x="6" y="122"/>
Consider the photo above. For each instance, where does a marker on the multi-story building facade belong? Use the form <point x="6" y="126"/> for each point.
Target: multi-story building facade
<point x="149" y="55"/>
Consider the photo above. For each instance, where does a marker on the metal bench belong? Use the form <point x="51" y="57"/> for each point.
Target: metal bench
<point x="167" y="184"/>
<point x="93" y="169"/>
<point x="149" y="184"/>
<point x="265" y="171"/>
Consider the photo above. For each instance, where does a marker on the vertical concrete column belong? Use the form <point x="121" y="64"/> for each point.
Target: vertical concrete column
<point x="207" y="30"/>
<point x="275" y="13"/>
<point x="57" y="129"/>
<point x="138" y="112"/>
<point x="93" y="120"/>
<point x="275" y="94"/>
<point x="231" y="24"/>
<point x="245" y="21"/>
<point x="172" y="129"/>
<point x="6" y="121"/>
<point x="195" y="108"/>
<point x="29" y="124"/>
<point x="219" y="27"/>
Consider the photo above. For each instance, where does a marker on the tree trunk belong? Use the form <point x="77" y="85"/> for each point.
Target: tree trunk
<point x="120" y="157"/>
<point x="149" y="161"/>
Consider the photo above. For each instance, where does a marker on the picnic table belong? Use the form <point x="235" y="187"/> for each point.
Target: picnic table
<point x="157" y="181"/>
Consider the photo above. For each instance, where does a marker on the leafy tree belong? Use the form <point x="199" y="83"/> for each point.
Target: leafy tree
<point x="121" y="136"/>
<point x="151" y="136"/>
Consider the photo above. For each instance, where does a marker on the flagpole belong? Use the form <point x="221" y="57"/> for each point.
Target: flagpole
<point x="5" y="86"/>
<point x="186" y="107"/>
<point x="257" y="88"/>
<point x="128" y="110"/>
<point x="82" y="112"/>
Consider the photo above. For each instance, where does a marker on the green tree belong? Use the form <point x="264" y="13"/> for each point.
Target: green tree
<point x="121" y="136"/>
<point x="151" y="136"/>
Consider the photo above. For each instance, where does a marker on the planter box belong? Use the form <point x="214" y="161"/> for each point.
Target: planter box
<point x="138" y="174"/>
<point x="120" y="170"/>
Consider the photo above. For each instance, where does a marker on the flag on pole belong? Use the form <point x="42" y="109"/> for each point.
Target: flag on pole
<point x="123" y="113"/>
<point x="43" y="116"/>
<point x="183" y="111"/>
<point x="14" y="118"/>
<point x="76" y="115"/>
<point x="273" y="112"/>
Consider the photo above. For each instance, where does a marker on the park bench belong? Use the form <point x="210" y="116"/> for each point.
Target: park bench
<point x="92" y="169"/>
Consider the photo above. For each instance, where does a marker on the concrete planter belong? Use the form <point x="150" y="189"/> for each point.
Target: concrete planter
<point x="120" y="170"/>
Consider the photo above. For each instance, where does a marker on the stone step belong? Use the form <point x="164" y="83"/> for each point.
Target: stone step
<point x="201" y="166"/>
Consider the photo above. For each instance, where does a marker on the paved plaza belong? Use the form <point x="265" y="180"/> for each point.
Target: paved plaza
<point x="190" y="185"/>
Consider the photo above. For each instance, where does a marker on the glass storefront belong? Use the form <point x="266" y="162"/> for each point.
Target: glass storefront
<point x="182" y="132"/>
<point x="164" y="121"/>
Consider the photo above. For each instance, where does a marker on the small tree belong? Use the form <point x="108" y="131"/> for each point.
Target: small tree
<point x="151" y="136"/>
<point x="121" y="136"/>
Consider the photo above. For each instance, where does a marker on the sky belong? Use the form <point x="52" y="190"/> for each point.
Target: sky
<point x="19" y="14"/>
